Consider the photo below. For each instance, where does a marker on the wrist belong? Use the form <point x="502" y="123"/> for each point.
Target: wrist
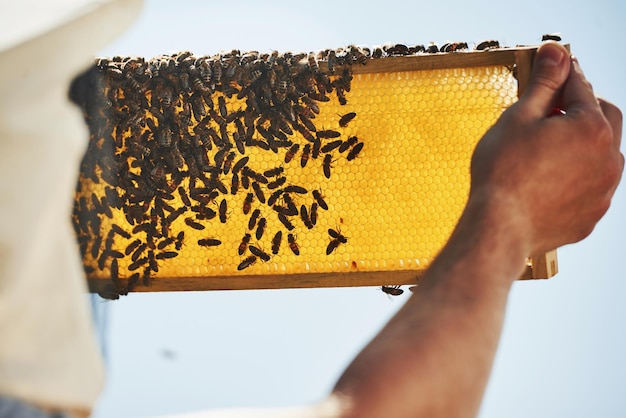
<point x="491" y="240"/>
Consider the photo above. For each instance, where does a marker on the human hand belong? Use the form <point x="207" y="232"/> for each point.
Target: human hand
<point x="550" y="178"/>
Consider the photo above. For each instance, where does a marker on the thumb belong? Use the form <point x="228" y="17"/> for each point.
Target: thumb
<point x="549" y="73"/>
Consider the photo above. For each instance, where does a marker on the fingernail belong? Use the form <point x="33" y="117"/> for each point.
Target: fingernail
<point x="550" y="55"/>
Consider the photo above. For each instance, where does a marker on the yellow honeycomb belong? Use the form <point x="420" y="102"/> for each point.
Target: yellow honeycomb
<point x="394" y="204"/>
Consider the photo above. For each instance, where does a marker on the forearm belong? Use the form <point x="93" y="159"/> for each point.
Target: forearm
<point x="434" y="357"/>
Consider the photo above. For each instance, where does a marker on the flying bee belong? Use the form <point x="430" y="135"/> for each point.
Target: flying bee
<point x="392" y="290"/>
<point x="355" y="151"/>
<point x="304" y="158"/>
<point x="291" y="152"/>
<point x="276" y="241"/>
<point x="247" y="262"/>
<point x="243" y="245"/>
<point x="209" y="242"/>
<point x="293" y="245"/>
<point x="345" y="119"/>
<point x="259" y="252"/>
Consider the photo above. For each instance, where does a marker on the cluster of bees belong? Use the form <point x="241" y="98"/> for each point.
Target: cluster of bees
<point x="171" y="140"/>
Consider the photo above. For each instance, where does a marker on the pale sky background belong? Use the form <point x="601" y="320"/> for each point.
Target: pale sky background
<point x="563" y="345"/>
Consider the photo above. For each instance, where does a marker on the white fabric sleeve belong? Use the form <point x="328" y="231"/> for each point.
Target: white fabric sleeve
<point x="48" y="352"/>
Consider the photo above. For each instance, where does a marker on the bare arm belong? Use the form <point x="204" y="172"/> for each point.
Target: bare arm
<point x="434" y="357"/>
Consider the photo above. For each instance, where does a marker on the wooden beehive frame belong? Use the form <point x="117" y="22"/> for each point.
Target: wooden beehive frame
<point x="541" y="267"/>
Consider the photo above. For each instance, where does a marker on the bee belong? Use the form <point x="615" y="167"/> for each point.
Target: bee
<point x="484" y="45"/>
<point x="329" y="146"/>
<point x="116" y="229"/>
<point x="293" y="245"/>
<point x="273" y="172"/>
<point x="222" y="211"/>
<point x="274" y="197"/>
<point x="348" y="143"/>
<point x="165" y="254"/>
<point x="327" y="134"/>
<point x="336" y="234"/>
<point x="304" y="158"/>
<point x="238" y="138"/>
<point x="228" y="162"/>
<point x="337" y="238"/>
<point x="234" y="187"/>
<point x="306" y="133"/>
<point x="392" y="290"/>
<point x="167" y="241"/>
<point x="179" y="240"/>
<point x="258" y="192"/>
<point x="551" y="37"/>
<point x="453" y="46"/>
<point x="345" y="119"/>
<point x="313" y="213"/>
<point x="247" y="203"/>
<point x="193" y="224"/>
<point x="95" y="246"/>
<point x="276" y="241"/>
<point x="327" y="165"/>
<point x="285" y="221"/>
<point x="277" y="183"/>
<point x="243" y="245"/>
<point x="317" y="195"/>
<point x="304" y="214"/>
<point x="259" y="253"/>
<point x="209" y="242"/>
<point x="222" y="106"/>
<point x="317" y="144"/>
<point x="291" y="152"/>
<point x="253" y="218"/>
<point x="260" y="229"/>
<point x="247" y="262"/>
<point x="240" y="164"/>
<point x="355" y="151"/>
<point x="131" y="247"/>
